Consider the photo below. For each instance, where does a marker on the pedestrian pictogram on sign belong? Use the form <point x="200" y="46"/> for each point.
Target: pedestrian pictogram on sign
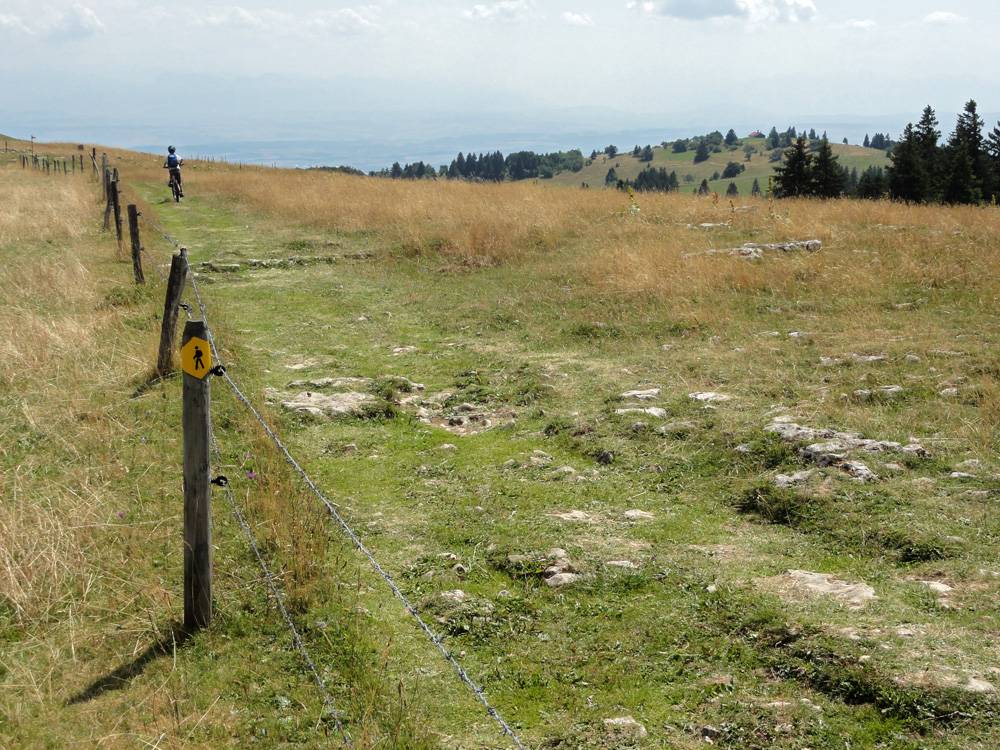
<point x="196" y="358"/>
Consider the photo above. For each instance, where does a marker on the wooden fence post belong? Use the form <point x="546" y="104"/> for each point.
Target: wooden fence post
<point x="116" y="206"/>
<point x="133" y="232"/>
<point x="104" y="171"/>
<point x="107" y="198"/>
<point x="93" y="160"/>
<point x="171" y="308"/>
<point x="197" y="485"/>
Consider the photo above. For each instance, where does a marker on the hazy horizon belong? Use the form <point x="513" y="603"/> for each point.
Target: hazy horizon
<point x="310" y="82"/>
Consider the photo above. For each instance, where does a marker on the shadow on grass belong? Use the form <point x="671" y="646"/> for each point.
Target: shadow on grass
<point x="149" y="381"/>
<point x="175" y="637"/>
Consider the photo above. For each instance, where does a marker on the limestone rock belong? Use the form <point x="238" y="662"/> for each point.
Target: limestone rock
<point x="790" y="480"/>
<point x="327" y="405"/>
<point x="625" y="728"/>
<point x="647" y="395"/>
<point x="573" y="516"/>
<point x="638" y="515"/>
<point x="652" y="411"/>
<point x="855" y="595"/>
<point x="709" y="396"/>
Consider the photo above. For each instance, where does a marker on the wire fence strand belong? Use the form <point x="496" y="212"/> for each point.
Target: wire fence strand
<point x="334" y="513"/>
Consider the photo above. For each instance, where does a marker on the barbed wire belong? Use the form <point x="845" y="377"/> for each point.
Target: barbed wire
<point x="331" y="509"/>
<point x="335" y="514"/>
<point x="276" y="594"/>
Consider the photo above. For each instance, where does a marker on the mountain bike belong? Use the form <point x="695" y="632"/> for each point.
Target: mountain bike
<point x="175" y="184"/>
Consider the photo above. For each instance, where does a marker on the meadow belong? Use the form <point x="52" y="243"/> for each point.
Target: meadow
<point x="715" y="567"/>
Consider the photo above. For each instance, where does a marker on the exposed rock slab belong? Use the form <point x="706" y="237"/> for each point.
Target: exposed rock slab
<point x="854" y="595"/>
<point x="327" y="405"/>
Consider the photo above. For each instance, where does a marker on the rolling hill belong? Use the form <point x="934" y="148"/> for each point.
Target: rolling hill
<point x="628" y="167"/>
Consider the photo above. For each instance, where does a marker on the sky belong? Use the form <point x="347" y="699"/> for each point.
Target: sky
<point x="429" y="73"/>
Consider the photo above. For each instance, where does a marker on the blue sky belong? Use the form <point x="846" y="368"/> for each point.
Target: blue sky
<point x="389" y="68"/>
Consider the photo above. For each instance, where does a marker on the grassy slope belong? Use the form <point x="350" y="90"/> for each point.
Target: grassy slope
<point x="759" y="167"/>
<point x="691" y="638"/>
<point x="91" y="653"/>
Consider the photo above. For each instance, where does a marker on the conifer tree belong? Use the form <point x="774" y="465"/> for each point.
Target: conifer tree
<point x="703" y="188"/>
<point x="868" y="141"/>
<point x="827" y="175"/>
<point x="773" y="139"/>
<point x="755" y="190"/>
<point x="646" y="154"/>
<point x="793" y="178"/>
<point x="907" y="175"/>
<point x="702" y="153"/>
<point x="731" y="137"/>
<point x="680" y="146"/>
<point x="732" y="190"/>
<point x="611" y="178"/>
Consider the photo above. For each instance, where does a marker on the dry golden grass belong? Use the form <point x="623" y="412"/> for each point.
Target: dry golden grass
<point x="656" y="251"/>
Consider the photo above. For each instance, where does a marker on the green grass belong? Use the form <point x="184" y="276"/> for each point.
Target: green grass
<point x="698" y="640"/>
<point x="656" y="642"/>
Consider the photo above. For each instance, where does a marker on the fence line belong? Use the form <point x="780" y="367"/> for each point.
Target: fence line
<point x="335" y="514"/>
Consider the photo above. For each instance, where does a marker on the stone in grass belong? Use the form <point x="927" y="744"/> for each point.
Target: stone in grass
<point x="456" y="596"/>
<point x="638" y="515"/>
<point x="854" y="595"/>
<point x="948" y="393"/>
<point x="625" y="728"/>
<point x="709" y="396"/>
<point x="623" y="564"/>
<point x="980" y="686"/>
<point x="885" y="392"/>
<point x="328" y="405"/>
<point x="961" y="475"/>
<point x="399" y="351"/>
<point x="647" y="395"/>
<point x="859" y="471"/>
<point x="790" y="480"/>
<point x="573" y="516"/>
<point x="652" y="411"/>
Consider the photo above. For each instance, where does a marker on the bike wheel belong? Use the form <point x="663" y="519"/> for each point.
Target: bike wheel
<point x="177" y="191"/>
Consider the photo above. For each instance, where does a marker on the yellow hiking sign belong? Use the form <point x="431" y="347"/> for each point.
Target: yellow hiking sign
<point x="196" y="358"/>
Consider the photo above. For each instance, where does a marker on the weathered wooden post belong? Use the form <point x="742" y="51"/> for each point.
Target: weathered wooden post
<point x="93" y="161"/>
<point x="105" y="171"/>
<point x="196" y="361"/>
<point x="116" y="207"/>
<point x="133" y="232"/>
<point x="171" y="308"/>
<point x="107" y="198"/>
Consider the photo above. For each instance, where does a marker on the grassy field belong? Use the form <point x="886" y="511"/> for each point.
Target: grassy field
<point x="525" y="315"/>
<point x="627" y="167"/>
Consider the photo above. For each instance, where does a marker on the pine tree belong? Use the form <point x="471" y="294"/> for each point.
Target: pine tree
<point x="907" y="173"/>
<point x="703" y="188"/>
<point x="732" y="190"/>
<point x="827" y="175"/>
<point x="773" y="139"/>
<point x="731" y="137"/>
<point x="646" y="154"/>
<point x="845" y="142"/>
<point x="927" y="135"/>
<point x="868" y="141"/>
<point x="993" y="154"/>
<point x="680" y="146"/>
<point x="812" y="134"/>
<point x="755" y="190"/>
<point x="396" y="172"/>
<point x="967" y="167"/>
<point x="793" y="178"/>
<point x="873" y="184"/>
<point x="702" y="153"/>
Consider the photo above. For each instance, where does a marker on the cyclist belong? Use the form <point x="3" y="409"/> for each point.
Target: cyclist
<point x="173" y="163"/>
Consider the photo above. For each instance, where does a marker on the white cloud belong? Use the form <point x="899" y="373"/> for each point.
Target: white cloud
<point x="343" y="21"/>
<point x="577" y="19"/>
<point x="13" y="23"/>
<point x="753" y="11"/>
<point x="866" y="24"/>
<point x="504" y="10"/>
<point x="77" y="22"/>
<point x="943" y="17"/>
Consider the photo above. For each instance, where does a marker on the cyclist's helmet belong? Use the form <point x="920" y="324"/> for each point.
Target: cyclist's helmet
<point x="171" y="149"/>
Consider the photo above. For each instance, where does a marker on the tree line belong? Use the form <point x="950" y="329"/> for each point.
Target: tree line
<point x="490" y="167"/>
<point x="964" y="169"/>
